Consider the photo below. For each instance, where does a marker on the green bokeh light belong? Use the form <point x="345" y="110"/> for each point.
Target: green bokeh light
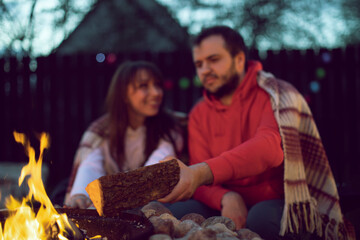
<point x="320" y="73"/>
<point x="184" y="83"/>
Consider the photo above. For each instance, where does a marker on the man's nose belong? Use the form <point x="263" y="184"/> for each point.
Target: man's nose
<point x="205" y="69"/>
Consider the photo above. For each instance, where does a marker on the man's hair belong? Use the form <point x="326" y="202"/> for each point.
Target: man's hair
<point x="234" y="42"/>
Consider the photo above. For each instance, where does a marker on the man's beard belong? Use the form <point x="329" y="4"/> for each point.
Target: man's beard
<point x="228" y="88"/>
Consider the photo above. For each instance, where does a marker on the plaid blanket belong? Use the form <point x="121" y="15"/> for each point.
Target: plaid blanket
<point x="92" y="138"/>
<point x="311" y="197"/>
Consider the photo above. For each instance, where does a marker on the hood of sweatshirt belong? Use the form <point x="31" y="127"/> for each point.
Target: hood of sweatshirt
<point x="243" y="91"/>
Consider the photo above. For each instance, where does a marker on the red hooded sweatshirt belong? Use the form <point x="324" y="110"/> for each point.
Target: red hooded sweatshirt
<point x="241" y="144"/>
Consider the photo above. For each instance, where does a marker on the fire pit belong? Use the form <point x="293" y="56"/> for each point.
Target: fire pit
<point x="22" y="220"/>
<point x="126" y="225"/>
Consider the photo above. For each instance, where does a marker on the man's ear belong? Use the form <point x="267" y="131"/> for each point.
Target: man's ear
<point x="240" y="62"/>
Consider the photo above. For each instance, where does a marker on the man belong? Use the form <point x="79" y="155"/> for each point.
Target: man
<point x="242" y="135"/>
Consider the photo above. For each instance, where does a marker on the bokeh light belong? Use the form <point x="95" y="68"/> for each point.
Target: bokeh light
<point x="111" y="58"/>
<point x="326" y="57"/>
<point x="100" y="57"/>
<point x="314" y="86"/>
<point x="168" y="84"/>
<point x="184" y="83"/>
<point x="320" y="73"/>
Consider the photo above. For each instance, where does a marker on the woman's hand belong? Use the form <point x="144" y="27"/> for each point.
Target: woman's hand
<point x="191" y="177"/>
<point x="234" y="207"/>
<point x="79" y="201"/>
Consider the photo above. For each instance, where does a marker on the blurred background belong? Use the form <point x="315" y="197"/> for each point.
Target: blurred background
<point x="57" y="58"/>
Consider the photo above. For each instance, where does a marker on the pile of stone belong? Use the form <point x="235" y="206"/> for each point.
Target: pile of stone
<point x="192" y="226"/>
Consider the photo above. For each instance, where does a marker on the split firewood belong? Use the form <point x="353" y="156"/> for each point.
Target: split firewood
<point x="113" y="193"/>
<point x="71" y="231"/>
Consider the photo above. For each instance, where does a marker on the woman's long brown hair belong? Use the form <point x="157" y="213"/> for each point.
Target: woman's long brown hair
<point x="157" y="127"/>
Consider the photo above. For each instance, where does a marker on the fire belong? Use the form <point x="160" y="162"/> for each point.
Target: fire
<point x="23" y="222"/>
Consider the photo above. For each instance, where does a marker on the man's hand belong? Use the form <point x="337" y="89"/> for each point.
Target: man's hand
<point x="234" y="207"/>
<point x="191" y="177"/>
<point x="79" y="201"/>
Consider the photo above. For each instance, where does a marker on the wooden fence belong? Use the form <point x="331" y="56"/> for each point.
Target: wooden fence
<point x="62" y="95"/>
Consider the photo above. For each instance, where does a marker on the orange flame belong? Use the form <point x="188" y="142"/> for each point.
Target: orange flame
<point x="23" y="222"/>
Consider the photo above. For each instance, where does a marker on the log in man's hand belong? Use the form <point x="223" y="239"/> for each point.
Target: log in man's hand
<point x="191" y="177"/>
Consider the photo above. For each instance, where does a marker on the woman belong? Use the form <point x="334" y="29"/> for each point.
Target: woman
<point x="134" y="132"/>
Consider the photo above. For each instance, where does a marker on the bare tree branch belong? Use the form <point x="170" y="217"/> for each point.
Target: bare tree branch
<point x="290" y="24"/>
<point x="17" y="34"/>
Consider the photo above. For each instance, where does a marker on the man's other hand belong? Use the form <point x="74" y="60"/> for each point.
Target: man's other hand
<point x="234" y="207"/>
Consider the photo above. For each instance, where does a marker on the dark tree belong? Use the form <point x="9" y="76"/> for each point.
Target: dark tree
<point x="280" y="24"/>
<point x="22" y="21"/>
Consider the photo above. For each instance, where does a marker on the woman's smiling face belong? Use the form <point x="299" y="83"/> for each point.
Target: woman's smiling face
<point x="144" y="96"/>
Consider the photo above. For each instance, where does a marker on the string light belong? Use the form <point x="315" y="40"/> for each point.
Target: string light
<point x="100" y="57"/>
<point x="320" y="73"/>
<point x="326" y="57"/>
<point x="184" y="83"/>
<point x="111" y="58"/>
<point x="315" y="86"/>
<point x="168" y="84"/>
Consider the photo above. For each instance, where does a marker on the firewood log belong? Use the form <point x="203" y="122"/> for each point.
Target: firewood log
<point x="126" y="190"/>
